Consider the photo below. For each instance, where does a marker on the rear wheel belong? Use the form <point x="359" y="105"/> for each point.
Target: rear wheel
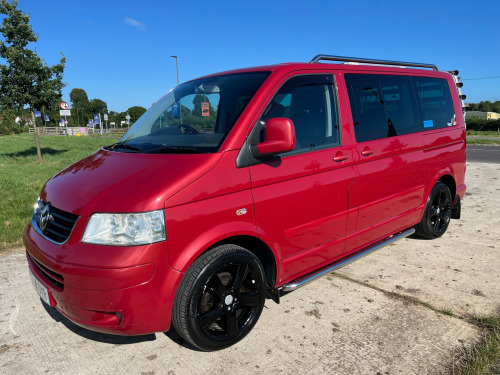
<point x="220" y="298"/>
<point x="437" y="213"/>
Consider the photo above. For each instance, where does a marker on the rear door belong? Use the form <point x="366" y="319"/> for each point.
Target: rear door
<point x="301" y="199"/>
<point x="389" y="155"/>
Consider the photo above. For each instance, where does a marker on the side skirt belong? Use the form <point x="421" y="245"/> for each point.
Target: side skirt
<point x="304" y="280"/>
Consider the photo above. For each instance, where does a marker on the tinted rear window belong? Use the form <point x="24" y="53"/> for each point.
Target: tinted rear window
<point x="389" y="105"/>
<point x="436" y="104"/>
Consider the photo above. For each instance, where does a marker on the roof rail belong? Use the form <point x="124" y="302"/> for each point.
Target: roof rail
<point x="371" y="61"/>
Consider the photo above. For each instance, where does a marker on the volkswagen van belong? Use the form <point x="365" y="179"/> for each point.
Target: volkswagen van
<point x="242" y="186"/>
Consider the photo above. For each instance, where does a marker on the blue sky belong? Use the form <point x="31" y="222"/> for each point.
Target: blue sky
<point x="119" y="51"/>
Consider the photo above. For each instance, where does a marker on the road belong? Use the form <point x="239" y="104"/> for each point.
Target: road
<point x="362" y="319"/>
<point x="483" y="153"/>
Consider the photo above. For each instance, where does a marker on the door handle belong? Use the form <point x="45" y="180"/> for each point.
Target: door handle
<point x="367" y="152"/>
<point x="340" y="158"/>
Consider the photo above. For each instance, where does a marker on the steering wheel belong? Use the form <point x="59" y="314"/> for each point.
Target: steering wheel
<point x="188" y="129"/>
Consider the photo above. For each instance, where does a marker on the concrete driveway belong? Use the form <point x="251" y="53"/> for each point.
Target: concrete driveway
<point x="350" y="322"/>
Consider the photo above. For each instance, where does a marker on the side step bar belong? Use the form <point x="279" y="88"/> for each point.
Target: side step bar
<point x="300" y="282"/>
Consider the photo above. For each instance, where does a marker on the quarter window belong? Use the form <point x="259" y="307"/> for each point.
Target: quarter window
<point x="436" y="104"/>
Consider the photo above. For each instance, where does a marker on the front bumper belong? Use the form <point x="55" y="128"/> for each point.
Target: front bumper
<point x="127" y="291"/>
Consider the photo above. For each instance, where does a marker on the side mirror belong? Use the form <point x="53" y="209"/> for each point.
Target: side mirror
<point x="279" y="135"/>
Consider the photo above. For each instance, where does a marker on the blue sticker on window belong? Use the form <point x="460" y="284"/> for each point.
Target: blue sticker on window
<point x="428" y="124"/>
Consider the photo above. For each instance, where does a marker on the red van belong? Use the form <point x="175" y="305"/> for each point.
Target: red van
<point x="245" y="185"/>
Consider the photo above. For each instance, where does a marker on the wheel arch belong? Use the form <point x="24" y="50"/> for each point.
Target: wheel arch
<point x="260" y="249"/>
<point x="451" y="183"/>
<point x="445" y="175"/>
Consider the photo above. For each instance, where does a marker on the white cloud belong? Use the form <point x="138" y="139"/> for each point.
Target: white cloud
<point x="137" y="24"/>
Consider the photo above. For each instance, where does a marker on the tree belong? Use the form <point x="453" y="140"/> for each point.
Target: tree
<point x="25" y="79"/>
<point x="98" y="106"/>
<point x="485" y="106"/>
<point x="80" y="104"/>
<point x="495" y="107"/>
<point x="135" y="112"/>
<point x="473" y="106"/>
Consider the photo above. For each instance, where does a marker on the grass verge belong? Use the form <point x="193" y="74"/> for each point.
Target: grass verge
<point x="488" y="133"/>
<point x="483" y="358"/>
<point x="475" y="141"/>
<point x="21" y="177"/>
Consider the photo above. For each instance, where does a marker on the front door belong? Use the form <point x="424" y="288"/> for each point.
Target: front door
<point x="301" y="198"/>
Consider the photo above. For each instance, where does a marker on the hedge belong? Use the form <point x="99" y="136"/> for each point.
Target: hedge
<point x="481" y="124"/>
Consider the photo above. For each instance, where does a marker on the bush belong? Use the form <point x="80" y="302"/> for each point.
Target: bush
<point x="8" y="124"/>
<point x="481" y="124"/>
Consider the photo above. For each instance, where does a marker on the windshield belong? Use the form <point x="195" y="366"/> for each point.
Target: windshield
<point x="195" y="117"/>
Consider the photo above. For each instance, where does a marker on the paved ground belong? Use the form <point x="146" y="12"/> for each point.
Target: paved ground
<point x="333" y="326"/>
<point x="483" y="154"/>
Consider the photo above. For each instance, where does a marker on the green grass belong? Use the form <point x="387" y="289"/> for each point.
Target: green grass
<point x="484" y="357"/>
<point x="489" y="134"/>
<point x="471" y="141"/>
<point x="486" y="133"/>
<point x="22" y="177"/>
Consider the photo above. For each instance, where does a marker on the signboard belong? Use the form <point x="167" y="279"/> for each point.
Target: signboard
<point x="38" y="113"/>
<point x="91" y="124"/>
<point x="64" y="112"/>
<point x="64" y="105"/>
<point x="97" y="118"/>
<point x="205" y="109"/>
<point x="175" y="110"/>
<point x="46" y="118"/>
<point x="105" y="117"/>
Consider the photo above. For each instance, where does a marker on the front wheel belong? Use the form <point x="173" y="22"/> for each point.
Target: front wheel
<point x="437" y="213"/>
<point x="220" y="298"/>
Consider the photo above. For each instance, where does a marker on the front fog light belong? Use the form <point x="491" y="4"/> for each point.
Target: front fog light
<point x="125" y="229"/>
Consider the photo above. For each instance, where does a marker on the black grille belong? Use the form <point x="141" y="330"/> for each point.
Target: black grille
<point x="53" y="223"/>
<point x="50" y="276"/>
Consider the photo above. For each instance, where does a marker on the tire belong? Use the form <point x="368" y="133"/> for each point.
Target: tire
<point x="437" y="213"/>
<point x="220" y="298"/>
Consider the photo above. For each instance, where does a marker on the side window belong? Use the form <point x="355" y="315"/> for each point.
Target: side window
<point x="367" y="106"/>
<point x="435" y="102"/>
<point x="382" y="106"/>
<point x="400" y="104"/>
<point x="309" y="101"/>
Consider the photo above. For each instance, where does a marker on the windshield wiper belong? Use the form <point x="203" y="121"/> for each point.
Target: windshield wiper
<point x="124" y="146"/>
<point x="175" y="150"/>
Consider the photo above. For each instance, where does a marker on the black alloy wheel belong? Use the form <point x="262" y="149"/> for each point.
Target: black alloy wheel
<point x="220" y="298"/>
<point x="437" y="213"/>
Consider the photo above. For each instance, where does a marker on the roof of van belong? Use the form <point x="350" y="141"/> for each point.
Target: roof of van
<point x="293" y="66"/>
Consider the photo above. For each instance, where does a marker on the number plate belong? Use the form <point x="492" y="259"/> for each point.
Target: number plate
<point x="40" y="289"/>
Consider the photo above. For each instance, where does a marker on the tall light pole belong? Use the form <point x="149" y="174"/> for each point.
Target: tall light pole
<point x="177" y="66"/>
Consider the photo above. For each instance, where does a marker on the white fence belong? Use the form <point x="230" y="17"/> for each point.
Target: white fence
<point x="58" y="130"/>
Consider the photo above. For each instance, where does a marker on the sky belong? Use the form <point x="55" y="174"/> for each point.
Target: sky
<point x="119" y="51"/>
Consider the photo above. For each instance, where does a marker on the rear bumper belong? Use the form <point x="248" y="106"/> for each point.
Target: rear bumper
<point x="130" y="300"/>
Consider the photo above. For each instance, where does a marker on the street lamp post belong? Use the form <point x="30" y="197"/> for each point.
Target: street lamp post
<point x="177" y="66"/>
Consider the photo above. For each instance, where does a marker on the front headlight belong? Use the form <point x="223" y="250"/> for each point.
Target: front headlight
<point x="125" y="229"/>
